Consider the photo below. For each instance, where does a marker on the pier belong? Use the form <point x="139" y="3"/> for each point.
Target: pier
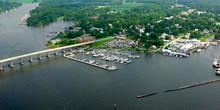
<point x="40" y="53"/>
<point x="70" y="56"/>
<point x="179" y="88"/>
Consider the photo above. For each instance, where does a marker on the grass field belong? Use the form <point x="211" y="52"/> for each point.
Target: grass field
<point x="126" y="6"/>
<point x="203" y="38"/>
<point x="99" y="43"/>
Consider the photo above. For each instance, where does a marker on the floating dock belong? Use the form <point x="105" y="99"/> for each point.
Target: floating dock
<point x="96" y="65"/>
<point x="180" y="88"/>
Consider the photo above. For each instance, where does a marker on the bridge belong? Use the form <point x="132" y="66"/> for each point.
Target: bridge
<point x="48" y="51"/>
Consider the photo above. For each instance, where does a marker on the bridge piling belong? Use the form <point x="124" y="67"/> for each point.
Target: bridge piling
<point x="39" y="57"/>
<point x="30" y="59"/>
<point x="1" y="69"/>
<point x="11" y="64"/>
<point x="56" y="53"/>
<point x="21" y="62"/>
<point x="48" y="55"/>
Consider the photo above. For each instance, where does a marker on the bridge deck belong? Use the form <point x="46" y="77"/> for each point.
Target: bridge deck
<point x="50" y="50"/>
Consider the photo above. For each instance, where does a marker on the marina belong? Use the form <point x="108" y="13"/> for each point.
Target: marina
<point x="102" y="58"/>
<point x="90" y="62"/>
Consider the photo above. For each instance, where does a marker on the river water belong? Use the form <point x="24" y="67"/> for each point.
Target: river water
<point x="62" y="84"/>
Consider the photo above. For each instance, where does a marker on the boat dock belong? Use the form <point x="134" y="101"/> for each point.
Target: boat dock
<point x="70" y="56"/>
<point x="179" y="88"/>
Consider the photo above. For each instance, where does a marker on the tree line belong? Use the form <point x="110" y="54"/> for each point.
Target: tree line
<point x="103" y="22"/>
<point x="6" y="5"/>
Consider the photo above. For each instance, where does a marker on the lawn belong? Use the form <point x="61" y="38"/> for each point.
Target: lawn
<point x="60" y="18"/>
<point x="126" y="6"/>
<point x="99" y="43"/>
<point x="203" y="38"/>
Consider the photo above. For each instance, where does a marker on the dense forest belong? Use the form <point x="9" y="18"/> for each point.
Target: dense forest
<point x="153" y="18"/>
<point x="203" y="5"/>
<point x="8" y="5"/>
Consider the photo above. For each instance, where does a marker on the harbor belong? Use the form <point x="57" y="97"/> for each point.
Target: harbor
<point x="59" y="83"/>
<point x="102" y="58"/>
<point x="90" y="62"/>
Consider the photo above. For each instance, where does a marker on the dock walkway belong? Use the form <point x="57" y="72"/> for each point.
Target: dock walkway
<point x="86" y="62"/>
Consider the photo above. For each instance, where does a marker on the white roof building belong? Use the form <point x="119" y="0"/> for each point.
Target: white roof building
<point x="186" y="47"/>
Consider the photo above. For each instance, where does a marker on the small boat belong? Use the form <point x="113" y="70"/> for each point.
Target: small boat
<point x="199" y="50"/>
<point x="81" y="51"/>
<point x="215" y="63"/>
<point x="71" y="55"/>
<point x="87" y="53"/>
<point x="112" y="68"/>
<point x="128" y="61"/>
<point x="93" y="52"/>
<point x="101" y="54"/>
<point x="95" y="55"/>
<point x="103" y="58"/>
<point x="115" y="106"/>
<point x="133" y="57"/>
<point x="97" y="63"/>
<point x="116" y="61"/>
<point x="91" y="61"/>
<point x="217" y="71"/>
<point x="104" y="65"/>
<point x="137" y="56"/>
<point x="108" y="58"/>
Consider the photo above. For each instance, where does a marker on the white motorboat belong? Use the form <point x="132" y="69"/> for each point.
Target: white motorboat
<point x="137" y="56"/>
<point x="112" y="68"/>
<point x="216" y="63"/>
<point x="91" y="61"/>
<point x="87" y="53"/>
<point x="103" y="58"/>
<point x="95" y="55"/>
<point x="81" y="51"/>
<point x="128" y="61"/>
<point x="217" y="71"/>
<point x="199" y="50"/>
<point x="104" y="65"/>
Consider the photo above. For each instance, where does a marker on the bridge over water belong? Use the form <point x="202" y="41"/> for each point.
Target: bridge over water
<point x="48" y="51"/>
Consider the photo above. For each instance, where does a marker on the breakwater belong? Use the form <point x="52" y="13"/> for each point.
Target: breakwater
<point x="179" y="88"/>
